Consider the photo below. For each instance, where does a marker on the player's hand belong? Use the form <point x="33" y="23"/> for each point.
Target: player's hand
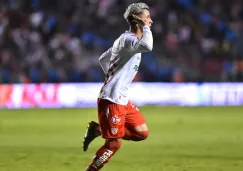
<point x="147" y="22"/>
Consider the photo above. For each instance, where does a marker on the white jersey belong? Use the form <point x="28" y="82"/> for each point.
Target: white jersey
<point x="120" y="64"/>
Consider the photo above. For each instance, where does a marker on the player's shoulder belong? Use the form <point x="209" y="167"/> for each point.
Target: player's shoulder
<point x="128" y="34"/>
<point x="124" y="38"/>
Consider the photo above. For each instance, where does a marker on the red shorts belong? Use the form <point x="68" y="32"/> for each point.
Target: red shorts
<point x="113" y="118"/>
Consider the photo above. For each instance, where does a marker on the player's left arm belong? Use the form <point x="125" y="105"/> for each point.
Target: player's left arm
<point x="105" y="60"/>
<point x="145" y="44"/>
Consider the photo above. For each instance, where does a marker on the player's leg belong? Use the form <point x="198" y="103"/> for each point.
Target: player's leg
<point x="111" y="121"/>
<point x="137" y="133"/>
<point x="136" y="128"/>
<point x="104" y="154"/>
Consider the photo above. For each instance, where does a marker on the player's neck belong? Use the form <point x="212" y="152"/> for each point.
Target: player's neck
<point x="137" y="32"/>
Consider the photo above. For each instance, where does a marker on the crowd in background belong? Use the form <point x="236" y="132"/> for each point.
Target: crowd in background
<point x="61" y="40"/>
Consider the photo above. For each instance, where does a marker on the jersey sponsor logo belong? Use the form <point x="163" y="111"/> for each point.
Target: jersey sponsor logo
<point x="114" y="131"/>
<point x="102" y="159"/>
<point x="136" y="68"/>
<point x="115" y="119"/>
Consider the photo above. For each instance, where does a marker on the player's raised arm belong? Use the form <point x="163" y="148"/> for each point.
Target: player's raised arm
<point x="145" y="44"/>
<point x="139" y="20"/>
<point x="105" y="60"/>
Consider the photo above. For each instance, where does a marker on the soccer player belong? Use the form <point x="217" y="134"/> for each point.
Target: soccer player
<point x="118" y="117"/>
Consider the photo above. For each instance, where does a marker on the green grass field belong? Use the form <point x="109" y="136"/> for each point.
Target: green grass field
<point x="181" y="139"/>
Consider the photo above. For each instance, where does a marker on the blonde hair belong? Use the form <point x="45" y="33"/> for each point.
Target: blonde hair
<point x="135" y="9"/>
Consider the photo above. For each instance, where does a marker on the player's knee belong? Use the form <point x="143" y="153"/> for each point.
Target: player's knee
<point x="143" y="135"/>
<point x="113" y="143"/>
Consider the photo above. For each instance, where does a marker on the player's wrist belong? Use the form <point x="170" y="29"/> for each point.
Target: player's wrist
<point x="146" y="27"/>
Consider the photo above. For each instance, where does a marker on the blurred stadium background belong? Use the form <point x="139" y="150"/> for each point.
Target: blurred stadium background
<point x="189" y="88"/>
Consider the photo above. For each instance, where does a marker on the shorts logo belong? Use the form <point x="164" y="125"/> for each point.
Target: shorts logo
<point x="115" y="119"/>
<point x="114" y="131"/>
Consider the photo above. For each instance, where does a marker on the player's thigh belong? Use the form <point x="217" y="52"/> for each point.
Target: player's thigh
<point x="134" y="119"/>
<point x="111" y="119"/>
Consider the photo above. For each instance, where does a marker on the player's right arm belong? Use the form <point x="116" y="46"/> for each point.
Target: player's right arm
<point x="145" y="44"/>
<point x="105" y="60"/>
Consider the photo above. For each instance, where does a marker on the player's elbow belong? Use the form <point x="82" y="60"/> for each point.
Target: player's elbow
<point x="149" y="48"/>
<point x="102" y="61"/>
<point x="101" y="58"/>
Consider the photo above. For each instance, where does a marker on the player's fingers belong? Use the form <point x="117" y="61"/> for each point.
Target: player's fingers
<point x="146" y="22"/>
